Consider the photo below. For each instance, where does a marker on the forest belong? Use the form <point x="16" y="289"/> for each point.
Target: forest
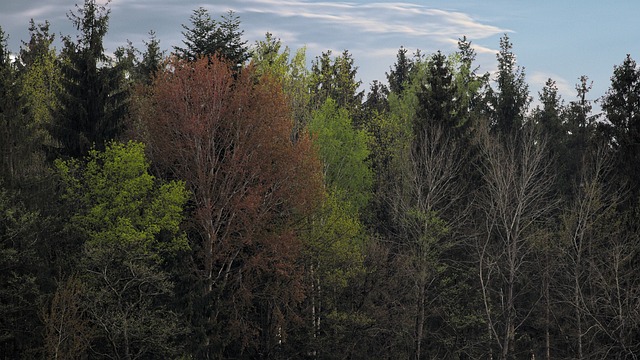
<point x="227" y="200"/>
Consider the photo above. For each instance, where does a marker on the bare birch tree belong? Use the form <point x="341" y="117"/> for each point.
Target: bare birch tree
<point x="603" y="291"/>
<point x="423" y="204"/>
<point x="515" y="200"/>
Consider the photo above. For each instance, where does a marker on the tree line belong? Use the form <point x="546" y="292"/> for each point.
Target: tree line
<point x="227" y="201"/>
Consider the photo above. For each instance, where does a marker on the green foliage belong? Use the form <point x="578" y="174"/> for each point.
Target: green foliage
<point x="622" y="107"/>
<point x="120" y="202"/>
<point x="399" y="74"/>
<point x="344" y="153"/>
<point x="20" y="134"/>
<point x="336" y="241"/>
<point x="334" y="258"/>
<point x="40" y="83"/>
<point x="438" y="97"/>
<point x="131" y="224"/>
<point x="270" y="59"/>
<point x="19" y="265"/>
<point x="437" y="233"/>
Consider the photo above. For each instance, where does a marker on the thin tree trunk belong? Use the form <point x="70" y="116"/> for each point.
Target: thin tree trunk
<point x="420" y="323"/>
<point x="576" y="299"/>
<point x="547" y="314"/>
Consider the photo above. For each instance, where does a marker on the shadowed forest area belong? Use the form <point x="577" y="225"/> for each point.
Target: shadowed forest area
<point x="226" y="200"/>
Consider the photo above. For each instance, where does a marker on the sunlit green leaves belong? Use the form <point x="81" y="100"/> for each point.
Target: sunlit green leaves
<point x="120" y="202"/>
<point x="344" y="153"/>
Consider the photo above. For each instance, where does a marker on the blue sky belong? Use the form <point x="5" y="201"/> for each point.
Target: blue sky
<point x="560" y="39"/>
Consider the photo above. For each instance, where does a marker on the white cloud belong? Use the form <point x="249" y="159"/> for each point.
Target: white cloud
<point x="405" y="19"/>
<point x="384" y="53"/>
<point x="538" y="79"/>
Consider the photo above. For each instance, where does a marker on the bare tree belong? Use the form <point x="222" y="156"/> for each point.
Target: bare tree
<point x="67" y="330"/>
<point x="600" y="254"/>
<point x="515" y="200"/>
<point x="589" y="207"/>
<point x="424" y="206"/>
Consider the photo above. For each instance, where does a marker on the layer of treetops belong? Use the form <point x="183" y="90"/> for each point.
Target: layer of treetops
<point x="223" y="200"/>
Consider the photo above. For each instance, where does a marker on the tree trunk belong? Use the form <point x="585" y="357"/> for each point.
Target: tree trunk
<point x="547" y="305"/>
<point x="420" y="323"/>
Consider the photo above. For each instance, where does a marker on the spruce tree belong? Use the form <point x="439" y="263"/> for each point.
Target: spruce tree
<point x="510" y="101"/>
<point x="399" y="74"/>
<point x="94" y="100"/>
<point x="622" y="108"/>
<point x="207" y="37"/>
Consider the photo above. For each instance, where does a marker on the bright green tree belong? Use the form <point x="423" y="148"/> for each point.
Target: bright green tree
<point x="344" y="153"/>
<point x="336" y="239"/>
<point x="269" y="58"/>
<point x="40" y="83"/>
<point x="131" y="223"/>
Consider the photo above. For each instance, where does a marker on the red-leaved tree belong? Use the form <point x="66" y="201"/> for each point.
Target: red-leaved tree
<point x="228" y="136"/>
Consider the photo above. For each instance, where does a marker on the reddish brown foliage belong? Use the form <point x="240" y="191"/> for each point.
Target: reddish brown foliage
<point x="229" y="139"/>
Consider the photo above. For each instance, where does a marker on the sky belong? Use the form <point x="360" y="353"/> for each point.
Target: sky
<point x="558" y="39"/>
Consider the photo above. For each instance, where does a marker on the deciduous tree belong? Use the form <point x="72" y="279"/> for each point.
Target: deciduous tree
<point x="516" y="201"/>
<point x="131" y="224"/>
<point x="229" y="138"/>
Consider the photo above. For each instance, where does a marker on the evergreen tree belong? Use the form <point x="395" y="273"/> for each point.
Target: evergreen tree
<point x="17" y="141"/>
<point x="509" y="102"/>
<point x="10" y="116"/>
<point x="151" y="58"/>
<point x="39" y="44"/>
<point x="622" y="108"/>
<point x="336" y="80"/>
<point x="580" y="137"/>
<point x="548" y="117"/>
<point x="207" y="37"/>
<point x="200" y="40"/>
<point x="41" y="80"/>
<point x="468" y="83"/>
<point x="438" y="102"/>
<point x="399" y="74"/>
<point x="20" y="294"/>
<point x="94" y="100"/>
<point x="377" y="98"/>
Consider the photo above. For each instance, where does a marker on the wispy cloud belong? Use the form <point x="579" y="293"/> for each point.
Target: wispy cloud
<point x="398" y="18"/>
<point x="538" y="79"/>
<point x="371" y="31"/>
